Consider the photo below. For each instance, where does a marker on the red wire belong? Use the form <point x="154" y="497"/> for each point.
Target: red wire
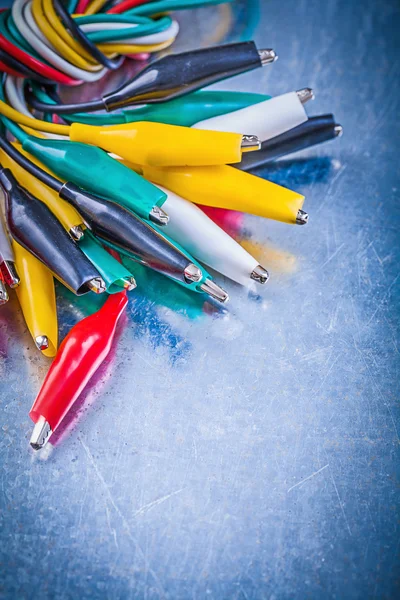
<point x="142" y="56"/>
<point x="113" y="253"/>
<point x="35" y="64"/>
<point x="46" y="70"/>
<point x="126" y="5"/>
<point x="10" y="71"/>
<point x="82" y="6"/>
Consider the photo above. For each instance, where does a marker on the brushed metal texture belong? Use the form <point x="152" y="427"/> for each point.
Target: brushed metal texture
<point x="249" y="452"/>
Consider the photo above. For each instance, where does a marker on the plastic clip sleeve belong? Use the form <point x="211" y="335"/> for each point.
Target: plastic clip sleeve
<point x="94" y="170"/>
<point x="226" y="187"/>
<point x="314" y="131"/>
<point x="204" y="239"/>
<point x="179" y="74"/>
<point x="65" y="213"/>
<point x="115" y="276"/>
<point x="37" y="298"/>
<point x="128" y="234"/>
<point x="81" y="353"/>
<point x="35" y="227"/>
<point x="156" y="144"/>
<point x="265" y="120"/>
<point x="195" y="107"/>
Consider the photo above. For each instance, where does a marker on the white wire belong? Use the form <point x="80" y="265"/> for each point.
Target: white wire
<point x="155" y="38"/>
<point x="19" y="84"/>
<point x="23" y="8"/>
<point x="26" y="25"/>
<point x="28" y="14"/>
<point x="14" y="88"/>
<point x="13" y="97"/>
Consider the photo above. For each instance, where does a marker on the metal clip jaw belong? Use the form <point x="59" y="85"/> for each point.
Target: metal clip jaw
<point x="40" y="434"/>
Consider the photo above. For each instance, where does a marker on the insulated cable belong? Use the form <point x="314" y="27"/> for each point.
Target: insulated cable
<point x="174" y="76"/>
<point x="44" y="36"/>
<point x="29" y="166"/>
<point x="80" y="36"/>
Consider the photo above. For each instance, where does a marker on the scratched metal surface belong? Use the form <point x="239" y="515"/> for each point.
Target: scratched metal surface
<point x="250" y="453"/>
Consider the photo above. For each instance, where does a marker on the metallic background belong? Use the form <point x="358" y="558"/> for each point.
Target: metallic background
<point x="247" y="453"/>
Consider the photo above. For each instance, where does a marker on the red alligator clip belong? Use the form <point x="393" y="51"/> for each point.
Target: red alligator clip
<point x="78" y="358"/>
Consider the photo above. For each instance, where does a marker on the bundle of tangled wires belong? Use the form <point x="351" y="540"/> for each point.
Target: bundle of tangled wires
<point x="77" y="42"/>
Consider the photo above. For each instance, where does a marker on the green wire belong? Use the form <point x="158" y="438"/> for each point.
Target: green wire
<point x="144" y="26"/>
<point x="119" y="34"/>
<point x="161" y="6"/>
<point x="71" y="6"/>
<point x="102" y="18"/>
<point x="16" y="36"/>
<point x="15" y="130"/>
<point x="17" y="40"/>
<point x="138" y="17"/>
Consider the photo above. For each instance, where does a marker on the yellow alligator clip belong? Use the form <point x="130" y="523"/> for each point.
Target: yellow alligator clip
<point x="37" y="298"/>
<point x="227" y="187"/>
<point x="161" y="145"/>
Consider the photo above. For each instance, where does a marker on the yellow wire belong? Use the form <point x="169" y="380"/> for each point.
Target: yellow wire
<point x="132" y="49"/>
<point x="94" y="7"/>
<point x="36" y="124"/>
<point x="58" y="25"/>
<point x="68" y="38"/>
<point x="40" y="13"/>
<point x="81" y="54"/>
<point x="30" y="131"/>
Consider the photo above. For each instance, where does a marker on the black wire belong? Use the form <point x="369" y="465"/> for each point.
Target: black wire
<point x="51" y="91"/>
<point x="170" y="77"/>
<point x="16" y="65"/>
<point x="79" y="35"/>
<point x="64" y="109"/>
<point x="25" y="163"/>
